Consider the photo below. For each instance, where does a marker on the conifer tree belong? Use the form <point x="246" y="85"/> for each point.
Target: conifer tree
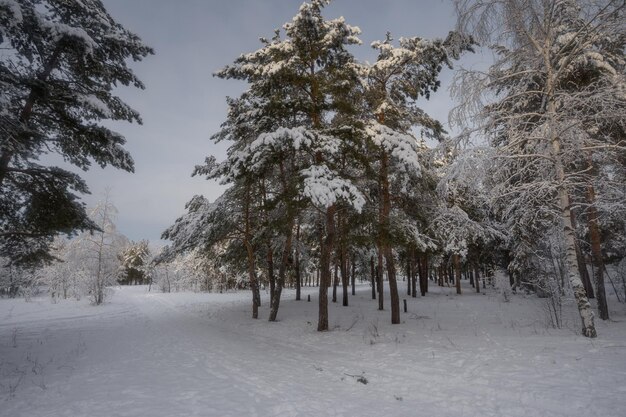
<point x="61" y="60"/>
<point x="394" y="83"/>
<point x="299" y="82"/>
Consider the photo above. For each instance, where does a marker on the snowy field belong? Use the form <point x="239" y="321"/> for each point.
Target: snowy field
<point x="186" y="354"/>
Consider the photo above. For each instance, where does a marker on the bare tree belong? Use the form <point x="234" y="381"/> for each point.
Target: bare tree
<point x="97" y="252"/>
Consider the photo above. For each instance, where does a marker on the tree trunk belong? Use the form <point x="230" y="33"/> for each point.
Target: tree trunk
<point x="335" y="282"/>
<point x="254" y="284"/>
<point x="282" y="270"/>
<point x="456" y="259"/>
<point x="297" y="266"/>
<point x="596" y="251"/>
<point x="584" y="308"/>
<point x="580" y="260"/>
<point x="270" y="271"/>
<point x="379" y="279"/>
<point x="584" y="273"/>
<point x="415" y="268"/>
<point x="477" y="277"/>
<point x="325" y="275"/>
<point x="386" y="241"/>
<point x="354" y="275"/>
<point x="408" y="273"/>
<point x="393" y="286"/>
<point x="423" y="274"/>
<point x="385" y="236"/>
<point x="373" y="276"/>
<point x="343" y="261"/>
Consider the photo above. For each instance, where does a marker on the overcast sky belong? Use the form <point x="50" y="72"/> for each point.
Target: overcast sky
<point x="183" y="104"/>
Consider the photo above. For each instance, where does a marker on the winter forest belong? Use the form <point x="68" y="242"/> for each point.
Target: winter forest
<point x="363" y="256"/>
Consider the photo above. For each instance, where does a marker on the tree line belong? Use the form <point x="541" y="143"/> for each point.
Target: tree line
<point x="329" y="168"/>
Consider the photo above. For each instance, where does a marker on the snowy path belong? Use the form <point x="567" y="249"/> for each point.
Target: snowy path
<point x="146" y="354"/>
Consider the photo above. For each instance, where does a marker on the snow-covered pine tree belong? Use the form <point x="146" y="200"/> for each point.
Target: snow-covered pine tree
<point x="233" y="219"/>
<point x="300" y="82"/>
<point x="135" y="264"/>
<point x="539" y="116"/>
<point x="60" y="62"/>
<point x="464" y="225"/>
<point x="394" y="83"/>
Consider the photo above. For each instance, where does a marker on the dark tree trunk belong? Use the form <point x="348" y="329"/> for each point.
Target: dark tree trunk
<point x="325" y="275"/>
<point x="373" y="276"/>
<point x="440" y="275"/>
<point x="414" y="269"/>
<point x="596" y="252"/>
<point x="297" y="265"/>
<point x="254" y="283"/>
<point x="385" y="210"/>
<point x="344" y="275"/>
<point x="408" y="273"/>
<point x="282" y="271"/>
<point x="393" y="286"/>
<point x="477" y="277"/>
<point x="584" y="273"/>
<point x="423" y="274"/>
<point x="335" y="282"/>
<point x="580" y="259"/>
<point x="457" y="269"/>
<point x="354" y="275"/>
<point x="379" y="279"/>
<point x="270" y="272"/>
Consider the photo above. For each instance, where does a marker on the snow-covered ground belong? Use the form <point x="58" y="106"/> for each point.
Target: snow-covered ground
<point x="186" y="354"/>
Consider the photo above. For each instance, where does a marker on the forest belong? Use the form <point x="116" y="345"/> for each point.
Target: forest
<point x="334" y="172"/>
<point x="361" y="248"/>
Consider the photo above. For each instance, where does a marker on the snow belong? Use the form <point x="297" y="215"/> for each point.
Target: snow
<point x="94" y="103"/>
<point x="14" y="8"/>
<point x="198" y="354"/>
<point x="59" y="30"/>
<point x="324" y="188"/>
<point x="401" y="146"/>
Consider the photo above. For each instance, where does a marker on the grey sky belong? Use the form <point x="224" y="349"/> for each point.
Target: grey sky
<point x="183" y="104"/>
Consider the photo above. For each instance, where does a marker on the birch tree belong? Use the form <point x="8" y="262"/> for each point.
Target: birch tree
<point x="539" y="121"/>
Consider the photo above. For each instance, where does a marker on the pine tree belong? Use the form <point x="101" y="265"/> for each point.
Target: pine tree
<point x="298" y="82"/>
<point x="394" y="83"/>
<point x="135" y="260"/>
<point x="60" y="63"/>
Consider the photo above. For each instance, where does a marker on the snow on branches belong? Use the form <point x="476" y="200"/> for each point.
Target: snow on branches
<point x="324" y="188"/>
